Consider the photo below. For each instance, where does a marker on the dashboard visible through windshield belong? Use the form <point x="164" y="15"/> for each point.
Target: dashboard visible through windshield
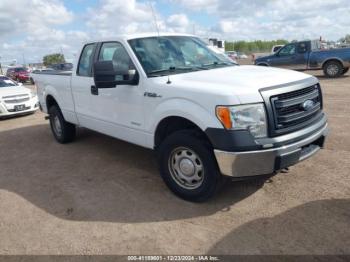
<point x="175" y="54"/>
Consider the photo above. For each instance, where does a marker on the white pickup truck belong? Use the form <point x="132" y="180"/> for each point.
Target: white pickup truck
<point x="206" y="118"/>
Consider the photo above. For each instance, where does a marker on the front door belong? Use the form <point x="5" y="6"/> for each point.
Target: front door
<point x="116" y="111"/>
<point x="291" y="56"/>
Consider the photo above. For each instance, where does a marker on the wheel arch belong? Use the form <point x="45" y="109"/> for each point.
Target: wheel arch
<point x="50" y="101"/>
<point x="185" y="112"/>
<point x="262" y="64"/>
<point x="336" y="59"/>
<point x="171" y="124"/>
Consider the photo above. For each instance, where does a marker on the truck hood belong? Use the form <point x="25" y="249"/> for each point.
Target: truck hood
<point x="13" y="90"/>
<point x="242" y="81"/>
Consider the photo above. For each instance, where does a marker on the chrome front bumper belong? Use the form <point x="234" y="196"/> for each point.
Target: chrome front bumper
<point x="266" y="161"/>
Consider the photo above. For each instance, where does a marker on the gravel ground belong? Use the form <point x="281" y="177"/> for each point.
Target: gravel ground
<point x="100" y="195"/>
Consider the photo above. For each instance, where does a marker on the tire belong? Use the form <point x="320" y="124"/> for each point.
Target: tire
<point x="184" y="151"/>
<point x="345" y="70"/>
<point x="63" y="131"/>
<point x="333" y="69"/>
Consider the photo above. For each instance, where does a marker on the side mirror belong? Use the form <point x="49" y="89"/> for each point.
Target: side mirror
<point x="106" y="77"/>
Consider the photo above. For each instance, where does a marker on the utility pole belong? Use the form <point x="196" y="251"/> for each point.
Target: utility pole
<point x="61" y="51"/>
<point x="24" y="60"/>
<point x="0" y="67"/>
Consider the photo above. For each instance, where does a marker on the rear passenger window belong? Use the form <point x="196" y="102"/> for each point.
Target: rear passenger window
<point x="85" y="62"/>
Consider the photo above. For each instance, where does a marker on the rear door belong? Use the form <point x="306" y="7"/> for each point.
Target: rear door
<point x="81" y="83"/>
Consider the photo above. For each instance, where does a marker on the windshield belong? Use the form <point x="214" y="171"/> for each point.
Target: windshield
<point x="175" y="54"/>
<point x="5" y="82"/>
<point x="21" y="69"/>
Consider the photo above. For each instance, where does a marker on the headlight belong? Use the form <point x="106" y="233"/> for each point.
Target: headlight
<point x="33" y="94"/>
<point x="244" y="117"/>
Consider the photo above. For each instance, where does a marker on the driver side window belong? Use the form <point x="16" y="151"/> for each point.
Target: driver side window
<point x="115" y="52"/>
<point x="287" y="50"/>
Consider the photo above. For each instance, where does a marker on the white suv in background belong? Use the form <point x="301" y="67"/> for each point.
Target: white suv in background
<point x="15" y="98"/>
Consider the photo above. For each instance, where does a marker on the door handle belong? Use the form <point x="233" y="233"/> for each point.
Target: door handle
<point x="94" y="90"/>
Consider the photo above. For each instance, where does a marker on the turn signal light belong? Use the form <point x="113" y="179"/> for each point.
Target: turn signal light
<point x="224" y="115"/>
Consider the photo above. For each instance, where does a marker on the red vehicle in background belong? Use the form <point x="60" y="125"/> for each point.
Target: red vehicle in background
<point x="19" y="74"/>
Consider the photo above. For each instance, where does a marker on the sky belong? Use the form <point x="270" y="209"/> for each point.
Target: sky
<point x="29" y="29"/>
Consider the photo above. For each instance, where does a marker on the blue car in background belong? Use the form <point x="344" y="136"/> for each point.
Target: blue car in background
<point x="308" y="55"/>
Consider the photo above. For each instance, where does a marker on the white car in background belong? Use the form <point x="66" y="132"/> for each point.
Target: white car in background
<point x="221" y="54"/>
<point x="241" y="55"/>
<point x="15" y="98"/>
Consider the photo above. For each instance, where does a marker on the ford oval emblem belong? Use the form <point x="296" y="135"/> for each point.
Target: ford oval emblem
<point x="308" y="105"/>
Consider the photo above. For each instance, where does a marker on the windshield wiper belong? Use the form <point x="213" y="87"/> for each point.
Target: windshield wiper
<point x="173" y="69"/>
<point x="217" y="64"/>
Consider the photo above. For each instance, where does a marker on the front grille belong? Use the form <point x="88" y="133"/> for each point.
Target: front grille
<point x="293" y="109"/>
<point x="15" y="99"/>
<point x="13" y="96"/>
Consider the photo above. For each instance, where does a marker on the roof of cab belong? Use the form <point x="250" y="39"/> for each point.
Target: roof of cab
<point x="135" y="36"/>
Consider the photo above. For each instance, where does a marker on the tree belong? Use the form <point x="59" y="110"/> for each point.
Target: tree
<point x="229" y="46"/>
<point x="345" y="39"/>
<point x="253" y="46"/>
<point x="53" y="59"/>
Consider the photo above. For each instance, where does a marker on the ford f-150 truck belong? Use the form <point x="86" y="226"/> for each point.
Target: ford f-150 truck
<point x="307" y="55"/>
<point x="205" y="117"/>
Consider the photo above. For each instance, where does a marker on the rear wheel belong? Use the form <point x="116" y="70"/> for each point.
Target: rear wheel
<point x="345" y="70"/>
<point x="188" y="166"/>
<point x="333" y="69"/>
<point x="63" y="131"/>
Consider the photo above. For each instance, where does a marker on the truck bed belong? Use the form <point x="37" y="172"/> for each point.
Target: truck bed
<point x="58" y="83"/>
<point x="54" y="72"/>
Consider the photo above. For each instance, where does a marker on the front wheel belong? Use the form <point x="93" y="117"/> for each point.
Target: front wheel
<point x="345" y="70"/>
<point x="333" y="69"/>
<point x="63" y="131"/>
<point x="188" y="166"/>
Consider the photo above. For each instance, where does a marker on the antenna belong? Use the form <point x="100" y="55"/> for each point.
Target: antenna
<point x="157" y="27"/>
<point x="169" y="81"/>
<point x="154" y="17"/>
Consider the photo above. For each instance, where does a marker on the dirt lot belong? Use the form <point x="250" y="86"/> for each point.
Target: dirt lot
<point x="99" y="195"/>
